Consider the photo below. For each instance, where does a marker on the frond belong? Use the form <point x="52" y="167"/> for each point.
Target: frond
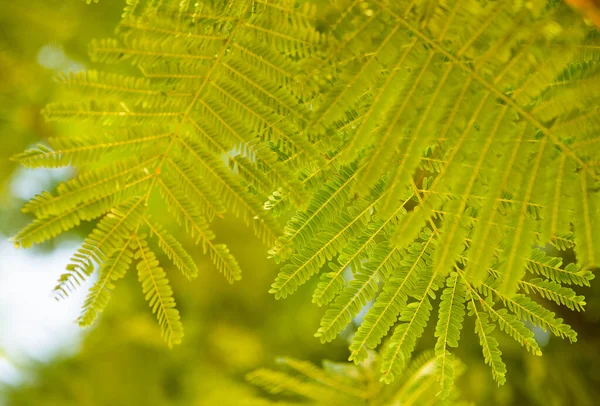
<point x="350" y="301"/>
<point x="323" y="246"/>
<point x="237" y="199"/>
<point x="276" y="382"/>
<point x="324" y="205"/>
<point x="46" y="228"/>
<point x="551" y="290"/>
<point x="448" y="328"/>
<point x="184" y="210"/>
<point x="196" y="188"/>
<point x="412" y="99"/>
<point x="109" y="113"/>
<point x="331" y="375"/>
<point x="130" y="90"/>
<point x="158" y="293"/>
<point x="418" y="382"/>
<point x="299" y="382"/>
<point x="100" y="182"/>
<point x="510" y="324"/>
<point x="526" y="309"/>
<point x="187" y="214"/>
<point x="413" y="320"/>
<point x="108" y="237"/>
<point x="491" y="353"/>
<point x="541" y="264"/>
<point x="215" y="78"/>
<point x="111" y="271"/>
<point x="406" y="269"/>
<point x="356" y="250"/>
<point x="173" y="249"/>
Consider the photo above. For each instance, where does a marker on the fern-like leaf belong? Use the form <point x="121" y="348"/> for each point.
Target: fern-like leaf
<point x="99" y="294"/>
<point x="109" y="235"/>
<point x="489" y="345"/>
<point x="448" y="328"/>
<point x="158" y="293"/>
<point x="173" y="249"/>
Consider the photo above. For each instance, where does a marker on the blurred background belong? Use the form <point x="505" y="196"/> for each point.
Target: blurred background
<point x="46" y="359"/>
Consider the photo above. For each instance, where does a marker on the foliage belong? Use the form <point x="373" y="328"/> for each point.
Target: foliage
<point x="187" y="171"/>
<point x="343" y="384"/>
<point x="426" y="146"/>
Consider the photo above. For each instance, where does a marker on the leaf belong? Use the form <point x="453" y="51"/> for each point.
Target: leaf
<point x="158" y="293"/>
<point x="448" y="328"/>
<point x="99" y="294"/>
